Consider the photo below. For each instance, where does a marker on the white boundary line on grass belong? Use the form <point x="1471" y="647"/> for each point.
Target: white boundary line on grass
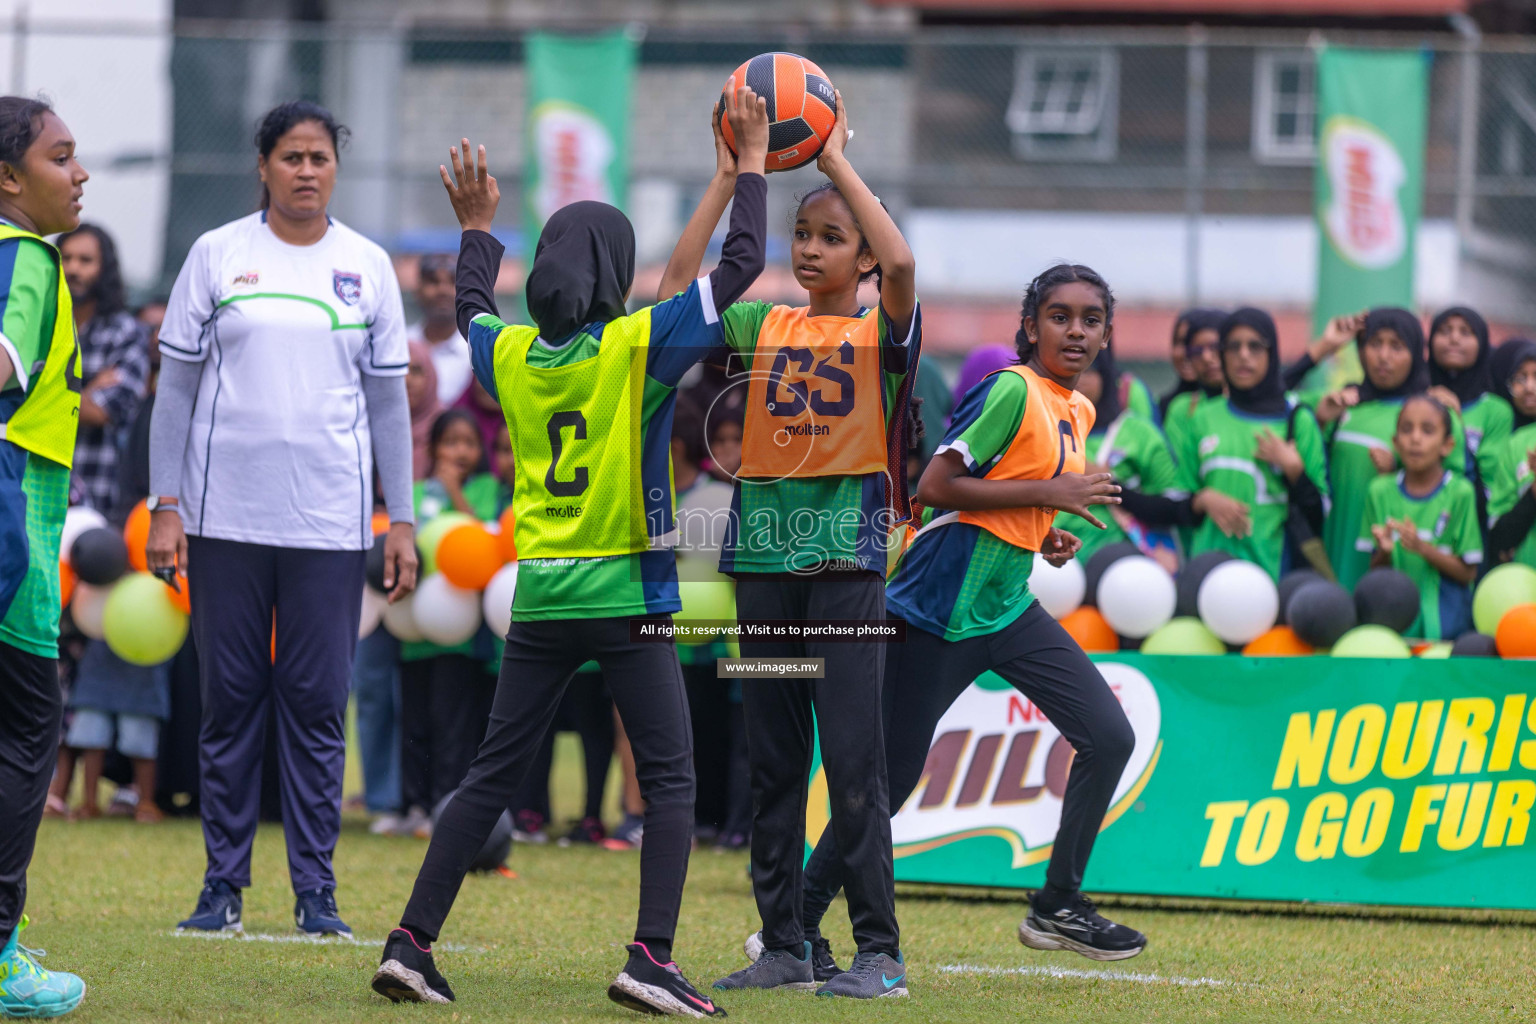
<point x="1072" y="972"/>
<point x="310" y="940"/>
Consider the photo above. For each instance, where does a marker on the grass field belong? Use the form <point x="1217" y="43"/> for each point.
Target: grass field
<point x="105" y="897"/>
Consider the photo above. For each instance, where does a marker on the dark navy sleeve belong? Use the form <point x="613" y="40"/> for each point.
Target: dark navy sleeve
<point x="684" y="330"/>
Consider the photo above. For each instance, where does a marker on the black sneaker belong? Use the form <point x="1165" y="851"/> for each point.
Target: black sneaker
<point x="1078" y="926"/>
<point x="218" y="910"/>
<point x="407" y="974"/>
<point x="587" y="830"/>
<point x="650" y="987"/>
<point x="822" y="965"/>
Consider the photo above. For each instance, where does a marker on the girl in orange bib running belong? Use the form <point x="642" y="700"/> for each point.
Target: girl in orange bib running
<point x="822" y="484"/>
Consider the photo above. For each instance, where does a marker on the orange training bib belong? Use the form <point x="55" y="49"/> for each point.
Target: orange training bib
<point x="815" y="403"/>
<point x="1051" y="441"/>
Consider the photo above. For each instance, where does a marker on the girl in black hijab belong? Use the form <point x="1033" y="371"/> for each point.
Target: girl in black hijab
<point x="1461" y="378"/>
<point x="1361" y="421"/>
<point x="594" y="520"/>
<point x="1201" y="339"/>
<point x="1511" y="498"/>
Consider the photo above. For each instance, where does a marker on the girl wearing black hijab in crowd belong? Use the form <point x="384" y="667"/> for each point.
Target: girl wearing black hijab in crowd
<point x="1182" y="367"/>
<point x="1511" y="500"/>
<point x="1361" y="420"/>
<point x="1247" y="457"/>
<point x="588" y="395"/>
<point x="1201" y="338"/>
<point x="1459" y="376"/>
<point x="1130" y="446"/>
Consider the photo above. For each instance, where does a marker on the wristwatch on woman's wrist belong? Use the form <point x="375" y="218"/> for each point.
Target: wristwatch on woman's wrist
<point x="156" y="502"/>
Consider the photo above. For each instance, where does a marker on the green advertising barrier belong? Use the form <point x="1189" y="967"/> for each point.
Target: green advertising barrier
<point x="1322" y="779"/>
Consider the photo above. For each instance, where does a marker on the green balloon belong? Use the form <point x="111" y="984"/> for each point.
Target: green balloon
<point x="1510" y="584"/>
<point x="140" y="623"/>
<point x="713" y="601"/>
<point x="1184" y="635"/>
<point x="1440" y="650"/>
<point x="1371" y="642"/>
<point x="432" y="534"/>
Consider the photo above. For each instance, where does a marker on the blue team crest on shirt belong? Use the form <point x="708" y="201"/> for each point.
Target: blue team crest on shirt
<point x="349" y="287"/>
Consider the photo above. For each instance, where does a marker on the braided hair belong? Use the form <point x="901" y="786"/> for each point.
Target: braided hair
<point x="1040" y="289"/>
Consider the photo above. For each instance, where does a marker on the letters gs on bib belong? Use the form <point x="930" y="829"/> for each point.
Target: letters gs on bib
<point x="800" y="394"/>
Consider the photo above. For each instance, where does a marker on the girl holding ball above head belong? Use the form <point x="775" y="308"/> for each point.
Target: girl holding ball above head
<point x="588" y="395"/>
<point x="822" y="481"/>
<point x="1012" y="457"/>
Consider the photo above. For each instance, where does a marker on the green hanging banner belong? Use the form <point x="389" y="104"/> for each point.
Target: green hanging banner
<point x="1372" y="111"/>
<point x="579" y="91"/>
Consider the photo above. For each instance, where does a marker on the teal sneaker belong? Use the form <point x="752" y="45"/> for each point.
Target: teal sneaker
<point x="28" y="991"/>
<point x="871" y="976"/>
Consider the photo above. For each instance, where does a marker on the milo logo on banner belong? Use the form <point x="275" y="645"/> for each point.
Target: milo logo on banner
<point x="575" y="155"/>
<point x="998" y="768"/>
<point x="1364" y="213"/>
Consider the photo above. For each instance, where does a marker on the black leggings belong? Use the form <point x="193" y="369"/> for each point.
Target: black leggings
<point x="586" y="710"/>
<point x="647" y="686"/>
<point x="924" y="676"/>
<point x="445" y="703"/>
<point x="782" y="716"/>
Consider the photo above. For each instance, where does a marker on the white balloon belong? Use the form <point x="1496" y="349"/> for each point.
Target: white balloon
<point x="400" y="620"/>
<point x="1238" y="601"/>
<point x="1059" y="591"/>
<point x="445" y="614"/>
<point x="374" y="604"/>
<point x="1136" y="596"/>
<point x="496" y="603"/>
<point x="76" y="521"/>
<point x="702" y="517"/>
<point x="87" y="607"/>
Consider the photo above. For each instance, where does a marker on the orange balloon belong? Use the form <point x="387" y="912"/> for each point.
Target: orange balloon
<point x="1089" y="629"/>
<point x="469" y="556"/>
<point x="380" y="523"/>
<point x="1278" y="642"/>
<point x="136" y="536"/>
<point x="183" y="598"/>
<point x="1516" y="635"/>
<point x="66" y="583"/>
<point x="507" y="538"/>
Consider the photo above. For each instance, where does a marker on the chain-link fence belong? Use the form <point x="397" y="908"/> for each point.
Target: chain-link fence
<point x="1185" y="155"/>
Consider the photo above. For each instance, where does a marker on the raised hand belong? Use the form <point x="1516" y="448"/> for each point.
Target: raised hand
<point x="471" y="189"/>
<point x="725" y="160"/>
<point x="748" y="114"/>
<point x="1076" y="492"/>
<point x="1383" y="460"/>
<point x="837" y="142"/>
<point x="1334" y="404"/>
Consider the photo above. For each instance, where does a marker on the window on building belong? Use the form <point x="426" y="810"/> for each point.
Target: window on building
<point x="1065" y="104"/>
<point x="1284" y="107"/>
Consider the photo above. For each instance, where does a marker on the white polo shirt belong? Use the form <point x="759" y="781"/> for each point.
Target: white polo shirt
<point x="279" y="452"/>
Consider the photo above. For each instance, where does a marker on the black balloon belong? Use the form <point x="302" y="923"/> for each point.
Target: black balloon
<point x="99" y="556"/>
<point x="1321" y="612"/>
<point x="373" y="566"/>
<point x="1474" y="645"/>
<point x="1191" y="574"/>
<point x="498" y="845"/>
<point x="1387" y="597"/>
<point x="1292" y="582"/>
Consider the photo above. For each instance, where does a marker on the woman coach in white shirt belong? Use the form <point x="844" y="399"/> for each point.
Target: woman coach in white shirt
<point x="282" y="383"/>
